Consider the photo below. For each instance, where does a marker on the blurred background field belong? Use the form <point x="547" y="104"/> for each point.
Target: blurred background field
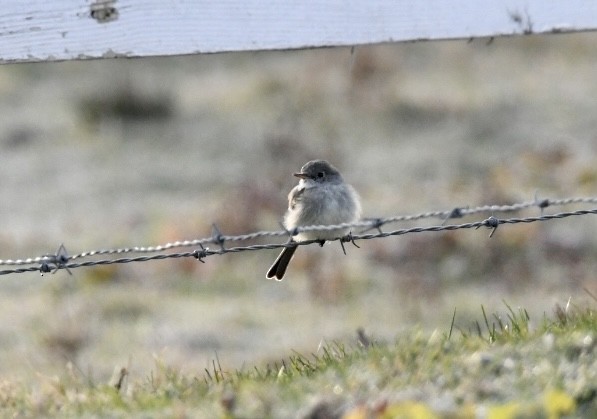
<point x="115" y="153"/>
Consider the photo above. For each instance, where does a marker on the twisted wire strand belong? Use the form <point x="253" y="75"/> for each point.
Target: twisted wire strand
<point x="53" y="263"/>
<point x="375" y="223"/>
<point x="371" y="223"/>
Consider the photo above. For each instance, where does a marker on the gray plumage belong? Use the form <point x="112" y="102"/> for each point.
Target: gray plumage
<point x="320" y="198"/>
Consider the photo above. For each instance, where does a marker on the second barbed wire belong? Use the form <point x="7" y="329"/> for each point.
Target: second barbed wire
<point x="60" y="260"/>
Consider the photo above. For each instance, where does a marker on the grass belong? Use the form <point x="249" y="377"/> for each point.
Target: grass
<point x="500" y="367"/>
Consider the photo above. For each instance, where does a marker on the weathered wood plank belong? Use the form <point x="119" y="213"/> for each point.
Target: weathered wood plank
<point x="43" y="30"/>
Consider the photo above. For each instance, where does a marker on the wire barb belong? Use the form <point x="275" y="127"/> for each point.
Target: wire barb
<point x="349" y="238"/>
<point x="492" y="223"/>
<point x="201" y="254"/>
<point x="58" y="259"/>
<point x="217" y="237"/>
<point x="343" y="248"/>
<point x="543" y="204"/>
<point x="346" y="239"/>
<point x="457" y="212"/>
<point x="375" y="224"/>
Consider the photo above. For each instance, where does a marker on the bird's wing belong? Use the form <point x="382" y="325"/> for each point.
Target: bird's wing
<point x="295" y="196"/>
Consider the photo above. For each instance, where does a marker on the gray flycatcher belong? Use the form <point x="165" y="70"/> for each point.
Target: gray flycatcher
<point x="320" y="198"/>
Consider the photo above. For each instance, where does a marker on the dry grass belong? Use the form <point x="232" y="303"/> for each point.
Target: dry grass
<point x="501" y="369"/>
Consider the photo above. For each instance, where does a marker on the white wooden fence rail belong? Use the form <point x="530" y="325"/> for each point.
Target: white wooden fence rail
<point x="46" y="30"/>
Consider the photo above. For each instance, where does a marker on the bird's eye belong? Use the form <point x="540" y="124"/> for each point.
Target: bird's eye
<point x="320" y="174"/>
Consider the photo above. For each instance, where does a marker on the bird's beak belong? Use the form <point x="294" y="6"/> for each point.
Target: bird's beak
<point x="302" y="175"/>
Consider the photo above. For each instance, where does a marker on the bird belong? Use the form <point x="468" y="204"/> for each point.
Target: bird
<point x="320" y="198"/>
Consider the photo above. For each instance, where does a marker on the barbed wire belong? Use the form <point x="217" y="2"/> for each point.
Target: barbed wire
<point x="60" y="259"/>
